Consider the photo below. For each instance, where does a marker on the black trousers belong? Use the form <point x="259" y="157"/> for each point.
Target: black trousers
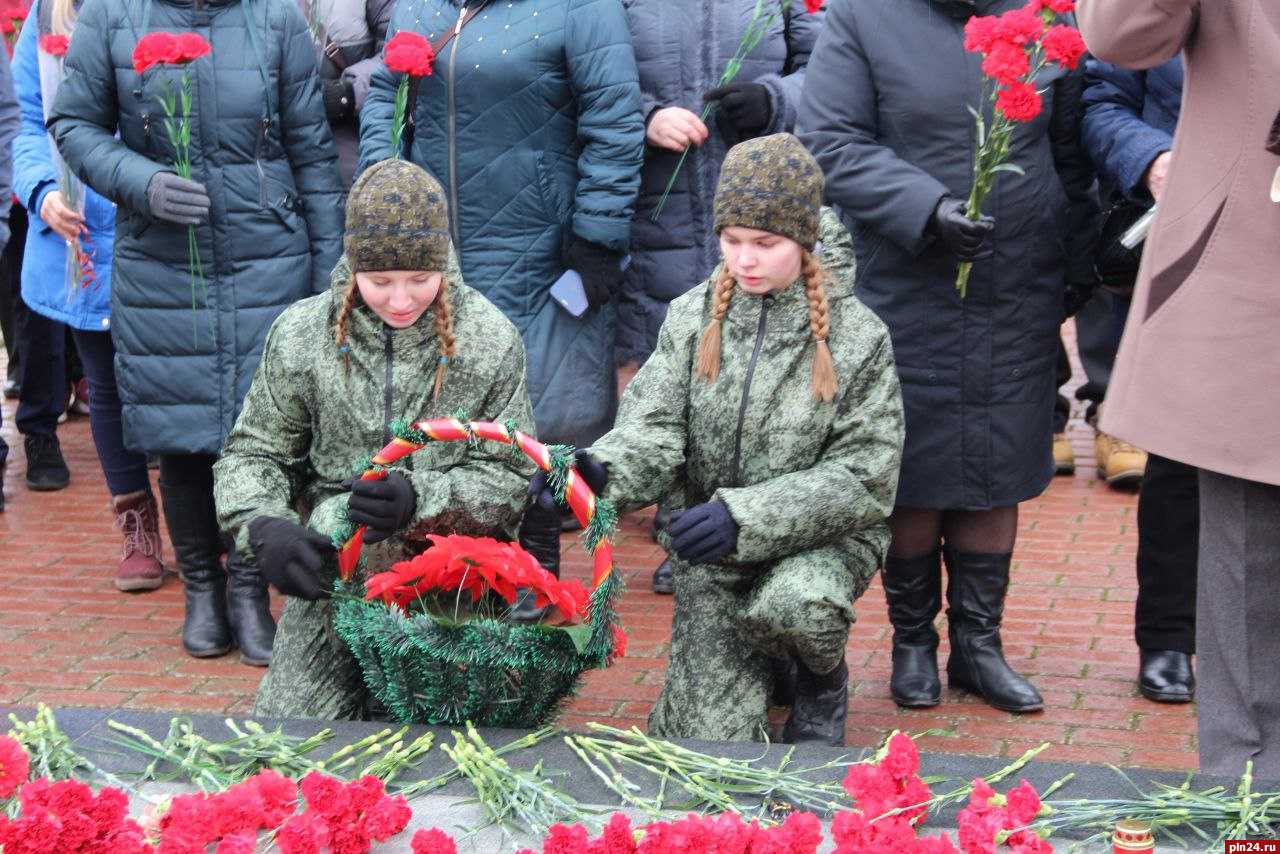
<point x="1168" y="555"/>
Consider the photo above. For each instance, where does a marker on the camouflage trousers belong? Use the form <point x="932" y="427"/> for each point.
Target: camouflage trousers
<point x="731" y="619"/>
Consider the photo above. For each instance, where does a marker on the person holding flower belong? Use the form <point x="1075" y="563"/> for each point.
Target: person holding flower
<point x="772" y="404"/>
<point x="406" y="339"/>
<point x="886" y="111"/>
<point x="215" y="149"/>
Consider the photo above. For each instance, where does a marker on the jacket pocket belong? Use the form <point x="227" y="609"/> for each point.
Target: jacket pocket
<point x="556" y="208"/>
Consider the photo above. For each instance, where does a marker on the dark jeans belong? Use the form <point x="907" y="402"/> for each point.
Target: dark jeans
<point x="11" y="288"/>
<point x="1168" y="554"/>
<point x="44" y="373"/>
<point x="125" y="470"/>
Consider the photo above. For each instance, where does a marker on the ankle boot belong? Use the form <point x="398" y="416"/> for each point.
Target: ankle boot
<point x="140" y="567"/>
<point x="821" y="705"/>
<point x="197" y="547"/>
<point x="913" y="591"/>
<point x="976" y="586"/>
<point x="540" y="537"/>
<point x="249" y="611"/>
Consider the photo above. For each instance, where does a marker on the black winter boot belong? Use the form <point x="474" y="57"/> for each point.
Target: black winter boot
<point x="249" y="611"/>
<point x="193" y="531"/>
<point x="540" y="537"/>
<point x="821" y="705"/>
<point x="976" y="586"/>
<point x="913" y="591"/>
<point x="664" y="578"/>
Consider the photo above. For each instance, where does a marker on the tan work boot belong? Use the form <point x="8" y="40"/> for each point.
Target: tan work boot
<point x="140" y="567"/>
<point x="1064" y="456"/>
<point x="1119" y="463"/>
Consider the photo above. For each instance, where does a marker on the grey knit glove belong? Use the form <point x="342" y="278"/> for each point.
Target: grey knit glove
<point x="175" y="199"/>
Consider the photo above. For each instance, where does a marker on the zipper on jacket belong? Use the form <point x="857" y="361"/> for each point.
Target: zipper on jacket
<point x="453" y="126"/>
<point x="257" y="160"/>
<point x="388" y="394"/>
<point x="734" y="473"/>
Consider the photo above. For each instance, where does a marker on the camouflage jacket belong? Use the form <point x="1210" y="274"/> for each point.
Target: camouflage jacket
<point x="307" y="421"/>
<point x="794" y="472"/>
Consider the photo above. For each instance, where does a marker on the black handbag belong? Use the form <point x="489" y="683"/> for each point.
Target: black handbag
<point x="1115" y="265"/>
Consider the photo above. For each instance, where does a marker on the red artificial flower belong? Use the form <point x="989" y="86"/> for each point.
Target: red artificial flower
<point x="15" y="766"/>
<point x="433" y="841"/>
<point x="409" y="53"/>
<point x="1022" y="27"/>
<point x="1019" y="102"/>
<point x="1006" y="62"/>
<point x="619" y="642"/>
<point x="1063" y="45"/>
<point x="812" y="6"/>
<point x="980" y="33"/>
<point x="55" y="45"/>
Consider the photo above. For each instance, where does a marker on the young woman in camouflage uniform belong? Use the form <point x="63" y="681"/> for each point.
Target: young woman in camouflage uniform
<point x="772" y="405"/>
<point x="399" y="335"/>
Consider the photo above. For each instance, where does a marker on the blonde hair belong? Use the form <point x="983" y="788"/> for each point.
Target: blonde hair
<point x="62" y="18"/>
<point x="825" y="385"/>
<point x="442" y="325"/>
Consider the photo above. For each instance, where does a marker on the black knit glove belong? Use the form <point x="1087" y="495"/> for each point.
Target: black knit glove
<point x="704" y="533"/>
<point x="744" y="110"/>
<point x="177" y="199"/>
<point x="966" y="238"/>
<point x="1076" y="297"/>
<point x="339" y="99"/>
<point x="382" y="506"/>
<point x="600" y="269"/>
<point x="289" y="555"/>
<point x="592" y="472"/>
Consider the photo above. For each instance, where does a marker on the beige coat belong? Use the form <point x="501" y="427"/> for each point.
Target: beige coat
<point x="1198" y="375"/>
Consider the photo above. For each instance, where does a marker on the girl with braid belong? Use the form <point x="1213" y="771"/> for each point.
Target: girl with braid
<point x="398" y="336"/>
<point x="772" y="405"/>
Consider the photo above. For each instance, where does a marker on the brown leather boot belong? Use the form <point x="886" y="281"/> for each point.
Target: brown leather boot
<point x="140" y="566"/>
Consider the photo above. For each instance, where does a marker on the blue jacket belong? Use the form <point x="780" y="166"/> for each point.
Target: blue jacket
<point x="44" y="287"/>
<point x="1129" y="118"/>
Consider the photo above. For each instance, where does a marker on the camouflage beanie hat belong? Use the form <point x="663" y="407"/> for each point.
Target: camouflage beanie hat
<point x="397" y="219"/>
<point x="771" y="183"/>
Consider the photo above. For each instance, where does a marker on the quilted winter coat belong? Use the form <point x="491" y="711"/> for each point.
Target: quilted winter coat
<point x="682" y="47"/>
<point x="531" y="122"/>
<point x="260" y="145"/>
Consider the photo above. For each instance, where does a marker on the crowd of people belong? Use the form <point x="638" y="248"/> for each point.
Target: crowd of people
<point x="769" y="264"/>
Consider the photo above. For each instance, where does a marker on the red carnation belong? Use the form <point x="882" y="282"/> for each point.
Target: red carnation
<point x="1019" y="102"/>
<point x="190" y="47"/>
<point x="16" y="13"/>
<point x="1020" y="26"/>
<point x="409" y="53"/>
<point x="153" y="48"/>
<point x="1006" y="62"/>
<point x="812" y="6"/>
<point x="433" y="841"/>
<point x="14" y="766"/>
<point x="55" y="45"/>
<point x="1060" y="7"/>
<point x="6" y="26"/>
<point x="980" y="33"/>
<point x="1064" y="45"/>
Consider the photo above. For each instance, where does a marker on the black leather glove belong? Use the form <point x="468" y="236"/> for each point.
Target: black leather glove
<point x="592" y="472"/>
<point x="704" y="533"/>
<point x="600" y="269"/>
<point x="1076" y="297"/>
<point x="339" y="99"/>
<point x="744" y="110"/>
<point x="966" y="238"/>
<point x="289" y="555"/>
<point x="176" y="199"/>
<point x="382" y="506"/>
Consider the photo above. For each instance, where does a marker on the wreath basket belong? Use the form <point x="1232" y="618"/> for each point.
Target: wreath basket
<point x="486" y="671"/>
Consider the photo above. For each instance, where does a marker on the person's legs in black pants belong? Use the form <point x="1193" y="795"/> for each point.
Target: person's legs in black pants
<point x="1064" y="458"/>
<point x="11" y="297"/>
<point x="186" y="490"/>
<point x="44" y="399"/>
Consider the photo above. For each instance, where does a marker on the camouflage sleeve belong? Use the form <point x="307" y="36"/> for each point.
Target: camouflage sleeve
<point x="851" y="488"/>
<point x="646" y="448"/>
<point x="486" y="494"/>
<point x="263" y="464"/>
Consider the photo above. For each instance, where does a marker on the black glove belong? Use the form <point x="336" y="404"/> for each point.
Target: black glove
<point x="966" y="238"/>
<point x="592" y="472"/>
<point x="704" y="533"/>
<point x="600" y="269"/>
<point x="1076" y="297"/>
<point x="745" y="110"/>
<point x="176" y="199"/>
<point x="289" y="555"/>
<point x="339" y="99"/>
<point x="382" y="506"/>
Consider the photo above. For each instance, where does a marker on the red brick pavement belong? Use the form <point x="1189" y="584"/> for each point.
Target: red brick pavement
<point x="68" y="638"/>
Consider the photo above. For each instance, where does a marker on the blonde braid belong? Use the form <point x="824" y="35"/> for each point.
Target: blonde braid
<point x="709" y="349"/>
<point x="824" y="369"/>
<point x="348" y="302"/>
<point x="443" y="327"/>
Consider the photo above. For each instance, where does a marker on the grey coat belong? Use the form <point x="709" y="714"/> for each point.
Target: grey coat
<point x="682" y="47"/>
<point x="884" y="111"/>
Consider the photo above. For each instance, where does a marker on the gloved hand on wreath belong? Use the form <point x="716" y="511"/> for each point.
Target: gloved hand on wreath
<point x="592" y="472"/>
<point x="703" y="533"/>
<point x="289" y="555"/>
<point x="382" y="506"/>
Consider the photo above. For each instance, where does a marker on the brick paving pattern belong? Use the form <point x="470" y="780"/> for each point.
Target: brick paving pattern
<point x="69" y="638"/>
